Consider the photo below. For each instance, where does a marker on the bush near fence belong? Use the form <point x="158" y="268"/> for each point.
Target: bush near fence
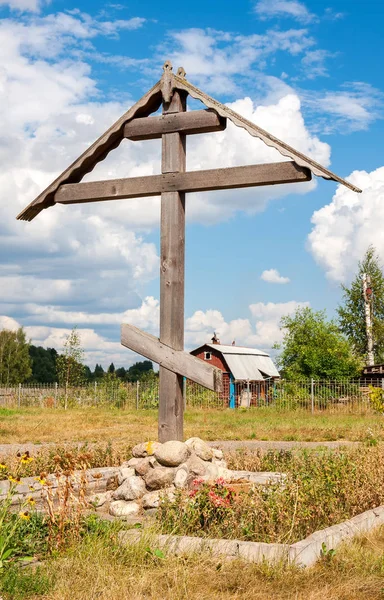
<point x="314" y="396"/>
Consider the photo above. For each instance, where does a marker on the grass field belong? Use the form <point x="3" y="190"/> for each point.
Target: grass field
<point x="97" y="568"/>
<point x="130" y="426"/>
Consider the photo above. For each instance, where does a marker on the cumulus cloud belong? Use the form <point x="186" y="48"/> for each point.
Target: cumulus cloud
<point x="273" y="276"/>
<point x="261" y="330"/>
<point x="267" y="9"/>
<point x="344" y="228"/>
<point x="221" y="62"/>
<point x="89" y="265"/>
<point x="352" y="108"/>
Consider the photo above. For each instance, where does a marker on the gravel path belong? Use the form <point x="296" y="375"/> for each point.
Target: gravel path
<point x="7" y="449"/>
<point x="276" y="445"/>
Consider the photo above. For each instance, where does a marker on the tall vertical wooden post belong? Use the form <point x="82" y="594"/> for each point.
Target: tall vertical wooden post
<point x="172" y="253"/>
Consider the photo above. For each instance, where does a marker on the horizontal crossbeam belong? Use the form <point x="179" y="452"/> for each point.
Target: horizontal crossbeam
<point x="192" y="181"/>
<point x="176" y="361"/>
<point x="188" y="123"/>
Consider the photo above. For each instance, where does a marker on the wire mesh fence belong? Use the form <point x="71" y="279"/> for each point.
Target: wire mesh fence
<point x="353" y="396"/>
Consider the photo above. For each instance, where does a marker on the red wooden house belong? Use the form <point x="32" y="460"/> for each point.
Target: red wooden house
<point x="247" y="372"/>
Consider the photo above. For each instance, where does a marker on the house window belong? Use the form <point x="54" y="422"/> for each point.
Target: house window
<point x="207" y="356"/>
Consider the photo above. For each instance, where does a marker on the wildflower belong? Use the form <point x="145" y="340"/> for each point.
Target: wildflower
<point x="192" y="493"/>
<point x="41" y="479"/>
<point x="218" y="500"/>
<point x="24" y="515"/>
<point x="197" y="481"/>
<point x="220" y="481"/>
<point x="13" y="479"/>
<point x="31" y="501"/>
<point x="25" y="459"/>
<point x="31" y="488"/>
<point x="3" y="467"/>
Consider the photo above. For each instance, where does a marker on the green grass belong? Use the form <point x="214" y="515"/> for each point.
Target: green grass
<point x="129" y="426"/>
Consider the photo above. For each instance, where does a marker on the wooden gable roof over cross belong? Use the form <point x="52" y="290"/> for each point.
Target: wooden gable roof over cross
<point x="174" y="182"/>
<point x="128" y="126"/>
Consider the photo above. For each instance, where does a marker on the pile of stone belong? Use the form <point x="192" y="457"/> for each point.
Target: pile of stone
<point x="159" y="469"/>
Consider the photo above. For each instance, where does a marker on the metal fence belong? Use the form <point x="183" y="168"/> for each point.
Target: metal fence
<point x="351" y="396"/>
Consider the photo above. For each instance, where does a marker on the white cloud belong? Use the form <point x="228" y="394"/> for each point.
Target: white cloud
<point x="88" y="265"/>
<point x="353" y="108"/>
<point x="221" y="61"/>
<point x="267" y="9"/>
<point x="260" y="331"/>
<point x="343" y="229"/>
<point x="314" y="63"/>
<point x="23" y="5"/>
<point x="273" y="276"/>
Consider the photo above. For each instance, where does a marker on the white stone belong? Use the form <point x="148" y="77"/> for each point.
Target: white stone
<point x="100" y="499"/>
<point x="217" y="453"/>
<point x="143" y="465"/>
<point x="152" y="499"/>
<point x="196" y="466"/>
<point x="172" y="454"/>
<point x="123" y="474"/>
<point x="132" y="462"/>
<point x="159" y="477"/>
<point x="200" y="448"/>
<point x="181" y="477"/>
<point x="120" y="508"/>
<point x="131" y="489"/>
<point x="145" y="449"/>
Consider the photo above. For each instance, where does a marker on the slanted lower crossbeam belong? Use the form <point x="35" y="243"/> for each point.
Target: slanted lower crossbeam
<point x="191" y="181"/>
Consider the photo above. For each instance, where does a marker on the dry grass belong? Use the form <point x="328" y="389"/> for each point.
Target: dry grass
<point x="97" y="570"/>
<point x="129" y="426"/>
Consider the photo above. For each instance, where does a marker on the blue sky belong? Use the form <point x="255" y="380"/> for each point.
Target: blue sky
<point x="309" y="72"/>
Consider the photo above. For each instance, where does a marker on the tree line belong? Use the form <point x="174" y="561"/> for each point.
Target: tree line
<point x="313" y="346"/>
<point x="22" y="362"/>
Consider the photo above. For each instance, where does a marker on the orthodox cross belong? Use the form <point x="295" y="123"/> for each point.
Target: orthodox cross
<point x="172" y="127"/>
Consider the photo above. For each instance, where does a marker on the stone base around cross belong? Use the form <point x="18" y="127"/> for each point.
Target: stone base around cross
<point x="157" y="470"/>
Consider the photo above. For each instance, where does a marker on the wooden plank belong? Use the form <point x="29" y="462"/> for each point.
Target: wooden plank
<point x="187" y="123"/>
<point x="178" y="361"/>
<point x="192" y="181"/>
<point x="172" y="251"/>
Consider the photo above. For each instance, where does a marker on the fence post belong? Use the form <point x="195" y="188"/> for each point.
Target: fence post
<point x="137" y="394"/>
<point x="55" y="399"/>
<point x="95" y="394"/>
<point x="312" y="396"/>
<point x="19" y="395"/>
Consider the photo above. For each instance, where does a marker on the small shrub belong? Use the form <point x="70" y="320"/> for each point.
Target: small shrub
<point x="376" y="396"/>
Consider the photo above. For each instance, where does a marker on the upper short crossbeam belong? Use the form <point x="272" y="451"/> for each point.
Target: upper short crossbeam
<point x="187" y="123"/>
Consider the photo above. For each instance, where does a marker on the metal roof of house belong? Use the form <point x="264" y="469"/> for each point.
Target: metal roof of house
<point x="224" y="349"/>
<point x="247" y="363"/>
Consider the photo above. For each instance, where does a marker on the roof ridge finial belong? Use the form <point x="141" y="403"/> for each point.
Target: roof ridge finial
<point x="181" y="72"/>
<point x="167" y="82"/>
<point x="167" y="66"/>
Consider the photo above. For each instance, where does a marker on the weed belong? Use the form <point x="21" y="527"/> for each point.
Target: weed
<point x="20" y="584"/>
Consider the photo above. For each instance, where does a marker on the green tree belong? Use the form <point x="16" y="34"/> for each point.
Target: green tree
<point x="43" y="364"/>
<point x="70" y="368"/>
<point x="98" y="373"/>
<point x="315" y="347"/>
<point x="138" y="370"/>
<point x="15" y="362"/>
<point x="352" y="312"/>
<point x="111" y="368"/>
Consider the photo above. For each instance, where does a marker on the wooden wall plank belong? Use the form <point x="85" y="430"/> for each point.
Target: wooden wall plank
<point x="192" y="181"/>
<point x="178" y="361"/>
<point x="188" y="123"/>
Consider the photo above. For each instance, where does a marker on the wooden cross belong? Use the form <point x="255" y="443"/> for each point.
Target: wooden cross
<point x="174" y="182"/>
